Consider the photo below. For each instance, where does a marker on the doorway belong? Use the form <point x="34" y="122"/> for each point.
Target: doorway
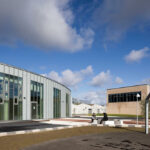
<point x="34" y="110"/>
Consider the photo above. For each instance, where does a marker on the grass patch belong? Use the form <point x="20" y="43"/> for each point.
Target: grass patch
<point x="119" y="115"/>
<point x="16" y="142"/>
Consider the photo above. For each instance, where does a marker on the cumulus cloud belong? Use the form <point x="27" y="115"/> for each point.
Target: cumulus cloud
<point x="101" y="79"/>
<point x="45" y="24"/>
<point x="118" y="80"/>
<point x="94" y="97"/>
<point x="118" y="16"/>
<point x="70" y="78"/>
<point x="137" y="55"/>
<point x="87" y="71"/>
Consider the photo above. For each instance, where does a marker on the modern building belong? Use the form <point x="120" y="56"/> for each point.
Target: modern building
<point x="25" y="95"/>
<point x="85" y="109"/>
<point x="126" y="100"/>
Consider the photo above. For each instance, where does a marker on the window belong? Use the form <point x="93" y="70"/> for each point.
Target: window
<point x="11" y="101"/>
<point x="124" y="97"/>
<point x="1" y="100"/>
<point x="37" y="97"/>
<point x="56" y="103"/>
<point x="67" y="105"/>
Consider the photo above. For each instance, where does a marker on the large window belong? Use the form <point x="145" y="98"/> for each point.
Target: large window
<point x="36" y="100"/>
<point x="67" y="105"/>
<point x="56" y="103"/>
<point x="124" y="97"/>
<point x="10" y="97"/>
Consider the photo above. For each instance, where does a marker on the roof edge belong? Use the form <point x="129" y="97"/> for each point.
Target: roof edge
<point x="35" y="74"/>
<point x="128" y="86"/>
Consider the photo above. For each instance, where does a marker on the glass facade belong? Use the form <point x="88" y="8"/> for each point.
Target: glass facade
<point x="56" y="103"/>
<point x="36" y="100"/>
<point x="10" y="97"/>
<point x="124" y="97"/>
<point x="67" y="105"/>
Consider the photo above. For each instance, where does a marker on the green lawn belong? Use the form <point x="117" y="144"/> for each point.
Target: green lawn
<point x="119" y="115"/>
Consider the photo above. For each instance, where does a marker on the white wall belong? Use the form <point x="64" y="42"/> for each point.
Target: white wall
<point x="84" y="108"/>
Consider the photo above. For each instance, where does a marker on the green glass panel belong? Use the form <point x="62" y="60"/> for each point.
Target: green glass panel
<point x="37" y="98"/>
<point x="56" y="103"/>
<point x="11" y="88"/>
<point x="1" y="112"/>
<point x="6" y="110"/>
<point x="67" y="105"/>
<point x="16" y="112"/>
<point x="20" y="110"/>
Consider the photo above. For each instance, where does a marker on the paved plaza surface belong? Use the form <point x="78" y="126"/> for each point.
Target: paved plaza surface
<point x="109" y="141"/>
<point x="26" y="125"/>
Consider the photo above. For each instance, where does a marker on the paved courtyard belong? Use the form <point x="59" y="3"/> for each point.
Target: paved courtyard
<point x="26" y="125"/>
<point x="109" y="141"/>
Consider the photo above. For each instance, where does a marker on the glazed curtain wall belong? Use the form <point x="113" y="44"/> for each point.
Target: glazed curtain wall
<point x="56" y="103"/>
<point x="67" y="105"/>
<point x="124" y="97"/>
<point x="10" y="97"/>
<point x="36" y="100"/>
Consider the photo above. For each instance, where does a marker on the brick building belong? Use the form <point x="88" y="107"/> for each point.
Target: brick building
<point x="124" y="100"/>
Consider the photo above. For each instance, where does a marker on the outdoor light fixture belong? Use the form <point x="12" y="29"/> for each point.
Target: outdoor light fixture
<point x="137" y="96"/>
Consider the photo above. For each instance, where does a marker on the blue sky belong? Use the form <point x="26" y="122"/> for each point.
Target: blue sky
<point x="87" y="45"/>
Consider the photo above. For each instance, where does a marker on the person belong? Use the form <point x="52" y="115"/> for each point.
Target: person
<point x="105" y="118"/>
<point x="93" y="117"/>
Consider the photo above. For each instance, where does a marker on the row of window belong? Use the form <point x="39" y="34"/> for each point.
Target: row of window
<point x="124" y="97"/>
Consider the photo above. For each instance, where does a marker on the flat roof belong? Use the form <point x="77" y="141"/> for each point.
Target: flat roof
<point x="128" y="86"/>
<point x="34" y="74"/>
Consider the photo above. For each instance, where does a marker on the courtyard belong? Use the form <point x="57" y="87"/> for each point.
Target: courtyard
<point x="79" y="138"/>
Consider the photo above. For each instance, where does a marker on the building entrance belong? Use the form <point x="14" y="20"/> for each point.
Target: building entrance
<point x="34" y="110"/>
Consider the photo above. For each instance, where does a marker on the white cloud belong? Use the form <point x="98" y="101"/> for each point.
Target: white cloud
<point x="54" y="75"/>
<point x="70" y="78"/>
<point x="101" y="79"/>
<point x="118" y="80"/>
<point x="87" y="71"/>
<point x="137" y="55"/>
<point x="45" y="24"/>
<point x="94" y="97"/>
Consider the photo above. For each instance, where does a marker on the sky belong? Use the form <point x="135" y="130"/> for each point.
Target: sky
<point x="89" y="46"/>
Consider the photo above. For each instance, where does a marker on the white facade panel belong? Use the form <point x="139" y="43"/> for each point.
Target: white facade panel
<point x="6" y="69"/>
<point x="11" y="71"/>
<point x="24" y="96"/>
<point x="1" y="68"/>
<point x="28" y="96"/>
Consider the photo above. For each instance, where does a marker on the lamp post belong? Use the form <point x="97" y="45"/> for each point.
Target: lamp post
<point x="137" y="96"/>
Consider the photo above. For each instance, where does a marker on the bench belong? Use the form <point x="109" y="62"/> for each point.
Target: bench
<point x="117" y="122"/>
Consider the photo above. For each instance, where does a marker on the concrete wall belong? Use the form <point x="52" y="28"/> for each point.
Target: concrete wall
<point x="48" y="91"/>
<point x="126" y="107"/>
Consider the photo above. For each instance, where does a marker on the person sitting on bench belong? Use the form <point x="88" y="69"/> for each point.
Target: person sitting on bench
<point x="105" y="118"/>
<point x="93" y="117"/>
